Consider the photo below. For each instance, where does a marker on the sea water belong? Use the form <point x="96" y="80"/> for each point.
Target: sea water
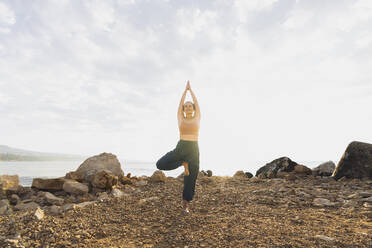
<point x="52" y="169"/>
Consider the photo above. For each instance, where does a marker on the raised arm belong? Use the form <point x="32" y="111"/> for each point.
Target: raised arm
<point x="180" y="107"/>
<point x="197" y="109"/>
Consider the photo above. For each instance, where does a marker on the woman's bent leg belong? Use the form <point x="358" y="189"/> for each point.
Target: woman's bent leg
<point x="169" y="161"/>
<point x="189" y="181"/>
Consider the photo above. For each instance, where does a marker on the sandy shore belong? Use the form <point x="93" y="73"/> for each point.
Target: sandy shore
<point x="226" y="212"/>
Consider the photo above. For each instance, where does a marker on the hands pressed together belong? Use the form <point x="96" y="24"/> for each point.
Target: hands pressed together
<point x="188" y="87"/>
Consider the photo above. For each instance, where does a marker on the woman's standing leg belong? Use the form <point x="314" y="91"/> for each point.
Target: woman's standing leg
<point x="189" y="181"/>
<point x="170" y="161"/>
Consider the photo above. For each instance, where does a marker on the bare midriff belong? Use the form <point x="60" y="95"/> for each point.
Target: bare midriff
<point x="190" y="137"/>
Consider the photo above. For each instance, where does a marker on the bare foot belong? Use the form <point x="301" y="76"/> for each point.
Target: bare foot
<point x="186" y="165"/>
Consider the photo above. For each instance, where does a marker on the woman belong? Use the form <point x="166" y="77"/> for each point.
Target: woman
<point x="186" y="152"/>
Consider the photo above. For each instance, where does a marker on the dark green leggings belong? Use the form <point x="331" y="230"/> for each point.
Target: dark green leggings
<point x="185" y="151"/>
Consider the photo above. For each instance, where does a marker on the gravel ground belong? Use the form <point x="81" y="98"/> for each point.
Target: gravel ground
<point x="226" y="212"/>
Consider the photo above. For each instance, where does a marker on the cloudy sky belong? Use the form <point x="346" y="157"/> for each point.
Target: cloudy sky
<point x="273" y="77"/>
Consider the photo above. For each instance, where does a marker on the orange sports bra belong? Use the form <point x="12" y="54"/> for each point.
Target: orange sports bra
<point x="189" y="127"/>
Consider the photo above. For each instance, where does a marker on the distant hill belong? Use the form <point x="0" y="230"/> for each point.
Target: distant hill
<point x="15" y="154"/>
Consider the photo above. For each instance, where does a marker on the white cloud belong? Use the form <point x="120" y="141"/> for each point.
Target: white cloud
<point x="7" y="18"/>
<point x="273" y="78"/>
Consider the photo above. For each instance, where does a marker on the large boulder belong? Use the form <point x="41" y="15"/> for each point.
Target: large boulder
<point x="282" y="164"/>
<point x="8" y="181"/>
<point x="53" y="184"/>
<point x="103" y="161"/>
<point x="325" y="169"/>
<point x="356" y="162"/>
<point x="75" y="188"/>
<point x="104" y="180"/>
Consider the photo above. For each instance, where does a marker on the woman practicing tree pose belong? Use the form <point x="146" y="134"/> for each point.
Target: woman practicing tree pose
<point x="186" y="152"/>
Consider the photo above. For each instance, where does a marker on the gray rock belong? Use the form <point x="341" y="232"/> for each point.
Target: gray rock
<point x="356" y="162"/>
<point x="323" y="237"/>
<point x="14" y="199"/>
<point x="368" y="199"/>
<point x="48" y="184"/>
<point x="365" y="194"/>
<point x="52" y="199"/>
<point x="248" y="174"/>
<point x="84" y="204"/>
<point x="3" y="210"/>
<point x="103" y="161"/>
<point x="281" y="164"/>
<point x="26" y="206"/>
<point x="74" y="187"/>
<point x="325" y="169"/>
<point x="67" y="207"/>
<point x="55" y="210"/>
<point x="322" y="202"/>
<point x="4" y="207"/>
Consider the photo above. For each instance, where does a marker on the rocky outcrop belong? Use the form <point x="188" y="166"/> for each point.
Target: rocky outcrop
<point x="8" y="181"/>
<point x="104" y="180"/>
<point x="282" y="164"/>
<point x="325" y="169"/>
<point x="75" y="188"/>
<point x="283" y="168"/>
<point x="103" y="161"/>
<point x="52" y="184"/>
<point x="356" y="162"/>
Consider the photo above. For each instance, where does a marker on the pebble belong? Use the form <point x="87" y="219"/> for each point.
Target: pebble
<point x="323" y="237"/>
<point x="39" y="213"/>
<point x="369" y="199"/>
<point x="322" y="202"/>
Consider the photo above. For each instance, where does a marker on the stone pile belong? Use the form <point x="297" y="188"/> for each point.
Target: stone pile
<point x="96" y="179"/>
